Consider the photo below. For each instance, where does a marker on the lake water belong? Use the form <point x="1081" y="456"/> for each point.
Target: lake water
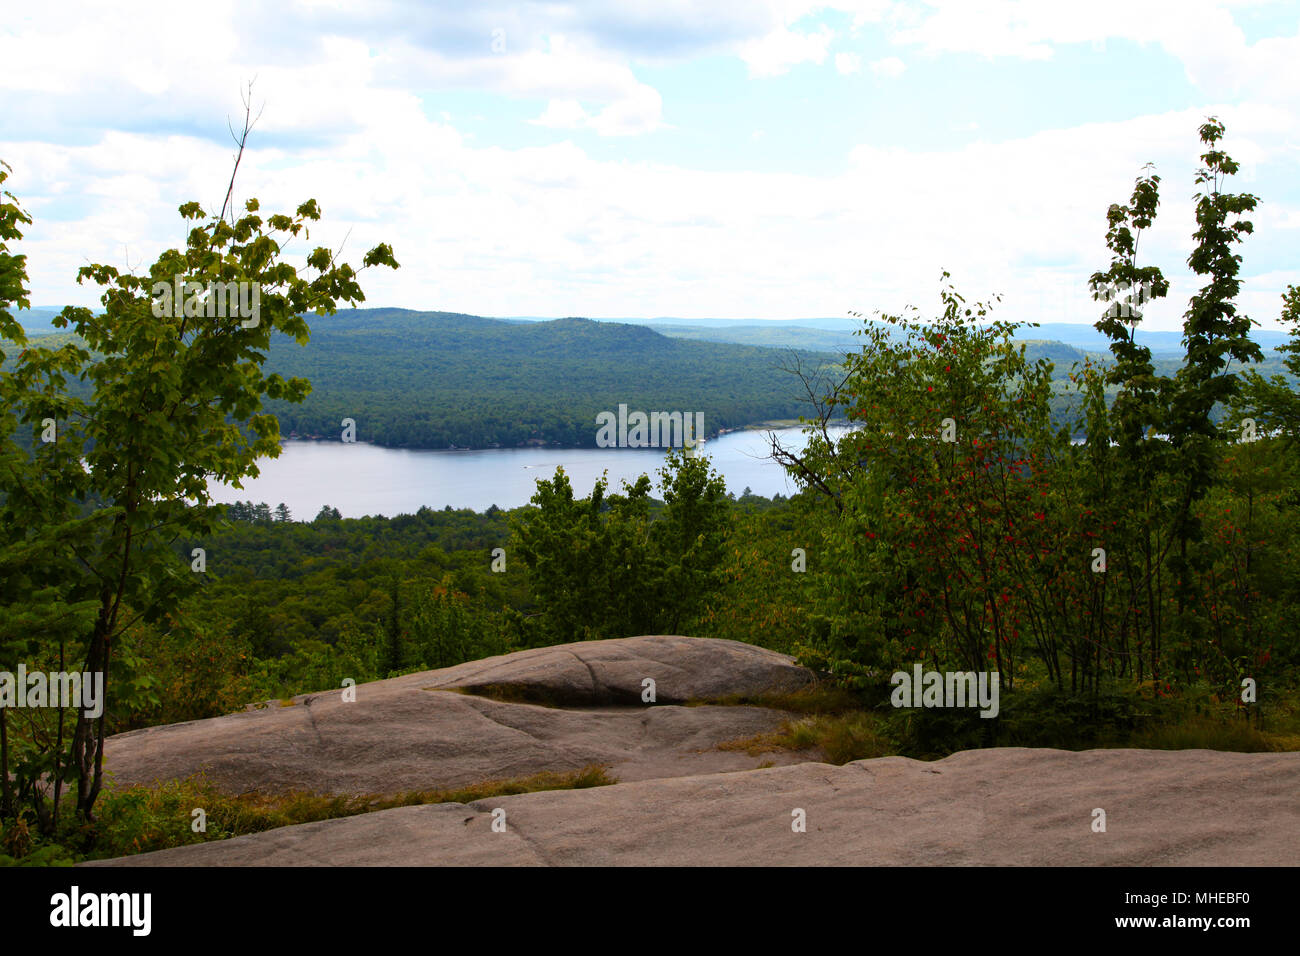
<point x="360" y="479"/>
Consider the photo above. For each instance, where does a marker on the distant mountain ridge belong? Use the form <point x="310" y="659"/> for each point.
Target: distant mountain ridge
<point x="452" y="380"/>
<point x="835" y="334"/>
<point x="37" y="320"/>
<point x="445" y="379"/>
<point x="825" y="334"/>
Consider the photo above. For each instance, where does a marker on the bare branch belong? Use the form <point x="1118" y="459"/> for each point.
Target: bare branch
<point x="241" y="139"/>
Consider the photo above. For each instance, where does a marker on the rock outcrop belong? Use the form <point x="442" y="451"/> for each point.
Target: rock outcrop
<point x="417" y="732"/>
<point x="1007" y="806"/>
<point x="680" y="800"/>
<point x="612" y="672"/>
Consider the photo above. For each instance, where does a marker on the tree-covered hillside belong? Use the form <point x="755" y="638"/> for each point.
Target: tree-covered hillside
<point x="441" y="379"/>
<point x="437" y="379"/>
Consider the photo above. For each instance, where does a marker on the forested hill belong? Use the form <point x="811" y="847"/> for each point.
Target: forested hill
<point x="437" y="379"/>
<point x="442" y="379"/>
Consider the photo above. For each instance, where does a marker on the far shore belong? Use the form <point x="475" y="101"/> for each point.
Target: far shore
<point x="754" y="427"/>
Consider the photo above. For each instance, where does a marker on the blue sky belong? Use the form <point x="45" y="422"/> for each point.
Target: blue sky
<point x="756" y="159"/>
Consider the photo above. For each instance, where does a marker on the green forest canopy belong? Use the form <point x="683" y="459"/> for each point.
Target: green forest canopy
<point x="414" y="379"/>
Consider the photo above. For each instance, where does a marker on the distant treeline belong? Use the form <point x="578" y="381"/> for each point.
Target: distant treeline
<point x="438" y="379"/>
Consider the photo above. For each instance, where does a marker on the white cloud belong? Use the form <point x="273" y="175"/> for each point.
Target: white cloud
<point x="775" y="41"/>
<point x="640" y="113"/>
<point x="1202" y="34"/>
<point x="563" y="114"/>
<point x="552" y="230"/>
<point x="565" y="74"/>
<point x="781" y="49"/>
<point x="988" y="27"/>
<point x="890" y="66"/>
<point x="847" y="63"/>
<point x="333" y="78"/>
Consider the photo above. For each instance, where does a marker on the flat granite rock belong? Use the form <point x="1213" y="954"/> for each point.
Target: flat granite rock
<point x="417" y="732"/>
<point x="1006" y="806"/>
<point x="612" y="672"/>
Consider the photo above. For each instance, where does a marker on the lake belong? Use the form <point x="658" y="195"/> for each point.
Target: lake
<point x="360" y="479"/>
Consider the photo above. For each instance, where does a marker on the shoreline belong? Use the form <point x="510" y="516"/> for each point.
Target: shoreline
<point x="773" y="425"/>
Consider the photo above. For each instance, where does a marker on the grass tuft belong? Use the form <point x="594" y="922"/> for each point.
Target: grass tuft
<point x="841" y="738"/>
<point x="142" y="819"/>
<point x="1209" y="733"/>
<point x="818" y="698"/>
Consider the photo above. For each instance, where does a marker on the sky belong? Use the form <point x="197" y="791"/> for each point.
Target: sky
<point x="768" y="159"/>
